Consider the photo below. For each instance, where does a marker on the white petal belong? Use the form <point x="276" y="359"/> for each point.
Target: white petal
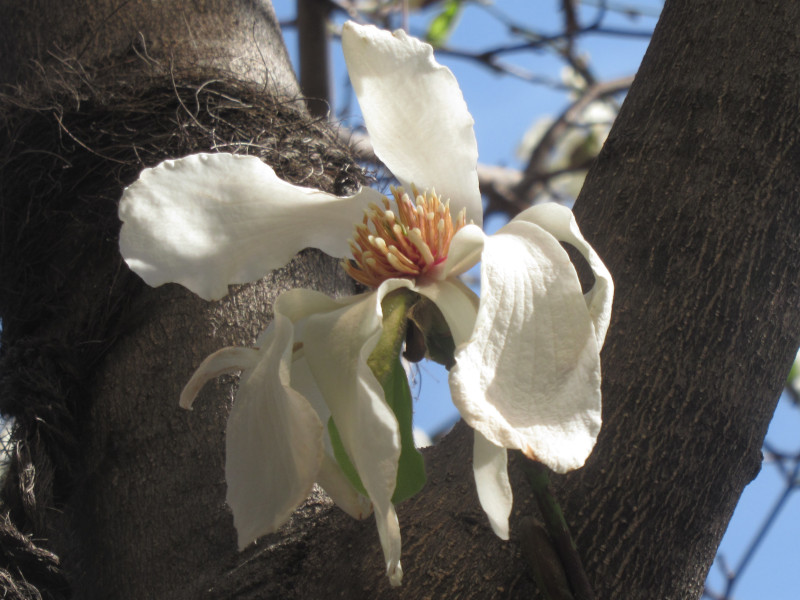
<point x="389" y="533"/>
<point x="273" y="442"/>
<point x="330" y="476"/>
<point x="210" y="220"/>
<point x="337" y="346"/>
<point x="226" y="360"/>
<point x="303" y="382"/>
<point x="530" y="376"/>
<point x="490" y="464"/>
<point x="455" y="300"/>
<point x="338" y="487"/>
<point x="458" y="305"/>
<point x="299" y="303"/>
<point x="464" y="253"/>
<point x="560" y="223"/>
<point x="415" y="113"/>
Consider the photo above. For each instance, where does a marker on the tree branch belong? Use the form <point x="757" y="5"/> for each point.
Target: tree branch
<point x="534" y="169"/>
<point x="314" y="43"/>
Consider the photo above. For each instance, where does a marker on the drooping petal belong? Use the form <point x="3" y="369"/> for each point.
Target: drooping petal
<point x="226" y="360"/>
<point x="490" y="464"/>
<point x="415" y="113"/>
<point x="389" y="533"/>
<point x="459" y="306"/>
<point x="337" y="345"/>
<point x="273" y="441"/>
<point x="330" y="476"/>
<point x="529" y="378"/>
<point x="559" y="222"/>
<point x="331" y="479"/>
<point x="210" y="220"/>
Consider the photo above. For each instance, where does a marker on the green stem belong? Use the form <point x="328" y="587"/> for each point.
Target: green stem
<point x="544" y="561"/>
<point x="557" y="528"/>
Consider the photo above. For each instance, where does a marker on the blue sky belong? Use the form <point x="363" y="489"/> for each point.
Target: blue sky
<point x="504" y="108"/>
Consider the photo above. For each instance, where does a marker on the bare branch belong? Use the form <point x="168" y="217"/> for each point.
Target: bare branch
<point x="535" y="167"/>
<point x="313" y="46"/>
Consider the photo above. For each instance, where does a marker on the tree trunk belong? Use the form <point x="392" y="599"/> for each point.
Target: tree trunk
<point x="127" y="488"/>
<point x="241" y="39"/>
<point x="692" y="203"/>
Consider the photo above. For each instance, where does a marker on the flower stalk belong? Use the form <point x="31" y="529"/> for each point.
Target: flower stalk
<point x="558" y="530"/>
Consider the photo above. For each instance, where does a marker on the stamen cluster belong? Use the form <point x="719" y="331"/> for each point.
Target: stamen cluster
<point x="405" y="243"/>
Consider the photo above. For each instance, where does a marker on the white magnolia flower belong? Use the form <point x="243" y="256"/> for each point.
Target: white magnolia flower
<point x="527" y="366"/>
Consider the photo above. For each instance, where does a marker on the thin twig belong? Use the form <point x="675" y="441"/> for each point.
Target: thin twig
<point x="791" y="486"/>
<point x="533" y="170"/>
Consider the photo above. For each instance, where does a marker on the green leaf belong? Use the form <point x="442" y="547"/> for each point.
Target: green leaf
<point x="385" y="364"/>
<point x="411" y="469"/>
<point x="341" y="456"/>
<point x="444" y="23"/>
<point x="794" y="371"/>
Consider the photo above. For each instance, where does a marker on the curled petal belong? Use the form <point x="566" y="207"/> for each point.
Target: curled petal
<point x="210" y="220"/>
<point x="226" y="360"/>
<point x="415" y="114"/>
<point x="331" y="479"/>
<point x="559" y="222"/>
<point x="337" y="345"/>
<point x="457" y="303"/>
<point x="529" y="378"/>
<point x="490" y="464"/>
<point x="273" y="442"/>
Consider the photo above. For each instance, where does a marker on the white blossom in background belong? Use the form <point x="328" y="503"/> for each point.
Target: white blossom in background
<point x="422" y="439"/>
<point x="526" y="371"/>
<point x="6" y="431"/>
<point x="581" y="141"/>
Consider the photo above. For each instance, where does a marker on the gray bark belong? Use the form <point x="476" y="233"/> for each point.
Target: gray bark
<point x="126" y="488"/>
<point x="241" y="38"/>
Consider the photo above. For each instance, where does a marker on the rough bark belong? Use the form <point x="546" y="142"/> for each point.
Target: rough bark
<point x="121" y="491"/>
<point x="241" y="38"/>
<point x="693" y="205"/>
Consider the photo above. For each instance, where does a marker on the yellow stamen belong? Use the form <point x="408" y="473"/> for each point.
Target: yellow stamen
<point x="406" y="242"/>
<point x="416" y="237"/>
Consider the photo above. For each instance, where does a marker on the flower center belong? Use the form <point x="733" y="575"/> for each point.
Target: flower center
<point x="404" y="243"/>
